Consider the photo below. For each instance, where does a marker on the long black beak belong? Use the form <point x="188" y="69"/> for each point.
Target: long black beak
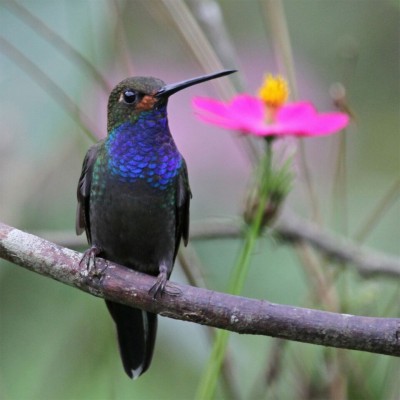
<point x="167" y="90"/>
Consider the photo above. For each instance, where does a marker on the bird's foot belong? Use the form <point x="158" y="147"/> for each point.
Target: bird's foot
<point x="92" y="269"/>
<point x="159" y="288"/>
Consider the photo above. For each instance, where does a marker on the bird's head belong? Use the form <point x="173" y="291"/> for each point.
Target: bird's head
<point x="139" y="94"/>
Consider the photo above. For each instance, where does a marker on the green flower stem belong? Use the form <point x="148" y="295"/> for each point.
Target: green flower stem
<point x="208" y="383"/>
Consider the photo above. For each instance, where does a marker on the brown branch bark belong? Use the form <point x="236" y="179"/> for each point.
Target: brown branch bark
<point x="234" y="313"/>
<point x="290" y="228"/>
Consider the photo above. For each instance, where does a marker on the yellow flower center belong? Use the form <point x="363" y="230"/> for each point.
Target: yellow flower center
<point x="274" y="91"/>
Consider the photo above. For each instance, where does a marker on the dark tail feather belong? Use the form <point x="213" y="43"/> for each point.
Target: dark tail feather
<point x="136" y="331"/>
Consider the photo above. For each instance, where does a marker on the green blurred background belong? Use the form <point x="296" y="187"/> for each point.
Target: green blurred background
<point x="59" y="343"/>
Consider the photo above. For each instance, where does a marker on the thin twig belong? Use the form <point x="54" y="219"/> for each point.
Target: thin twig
<point x="383" y="206"/>
<point x="294" y="229"/>
<point x="319" y="279"/>
<point x="209" y="16"/>
<point x="191" y="266"/>
<point x="49" y="86"/>
<point x="339" y="189"/>
<point x="121" y="36"/>
<point x="367" y="262"/>
<point x="272" y="372"/>
<point x="200" y="47"/>
<point x="233" y="313"/>
<point x="274" y="15"/>
<point x="59" y="43"/>
<point x="197" y="41"/>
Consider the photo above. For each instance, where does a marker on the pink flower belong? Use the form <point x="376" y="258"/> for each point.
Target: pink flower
<point x="250" y="115"/>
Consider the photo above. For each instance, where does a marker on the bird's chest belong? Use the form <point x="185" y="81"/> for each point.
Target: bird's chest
<point x="133" y="208"/>
<point x="140" y="190"/>
<point x="136" y="170"/>
<point x="120" y="201"/>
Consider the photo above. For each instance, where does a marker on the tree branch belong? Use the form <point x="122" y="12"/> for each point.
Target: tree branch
<point x="291" y="228"/>
<point x="234" y="313"/>
<point x="368" y="262"/>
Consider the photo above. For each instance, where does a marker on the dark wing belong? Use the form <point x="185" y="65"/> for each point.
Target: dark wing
<point x="83" y="192"/>
<point x="182" y="208"/>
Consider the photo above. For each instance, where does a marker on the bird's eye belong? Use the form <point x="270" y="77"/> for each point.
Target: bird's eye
<point x="129" y="96"/>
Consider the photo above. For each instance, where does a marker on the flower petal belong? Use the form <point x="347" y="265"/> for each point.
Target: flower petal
<point x="327" y="123"/>
<point x="222" y="122"/>
<point x="302" y="119"/>
<point x="248" y="114"/>
<point x="211" y="106"/>
<point x="248" y="107"/>
<point x="216" y="112"/>
<point x="244" y="112"/>
<point x="295" y="116"/>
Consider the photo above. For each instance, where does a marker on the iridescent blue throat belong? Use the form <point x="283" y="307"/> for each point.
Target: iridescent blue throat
<point x="144" y="150"/>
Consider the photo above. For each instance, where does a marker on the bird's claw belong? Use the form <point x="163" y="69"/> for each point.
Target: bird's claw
<point x="92" y="269"/>
<point x="159" y="288"/>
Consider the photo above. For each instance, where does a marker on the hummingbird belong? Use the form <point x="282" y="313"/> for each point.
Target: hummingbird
<point x="133" y="201"/>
